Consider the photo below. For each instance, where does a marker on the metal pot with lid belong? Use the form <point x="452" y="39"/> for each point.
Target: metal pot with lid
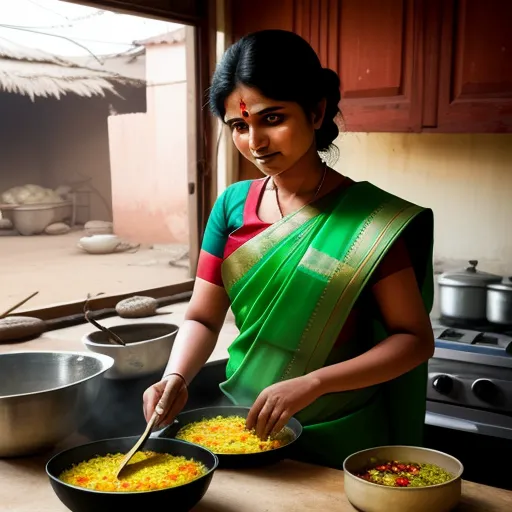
<point x="499" y="302"/>
<point x="463" y="293"/>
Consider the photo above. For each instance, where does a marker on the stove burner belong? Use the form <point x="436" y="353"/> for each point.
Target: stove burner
<point x="473" y="341"/>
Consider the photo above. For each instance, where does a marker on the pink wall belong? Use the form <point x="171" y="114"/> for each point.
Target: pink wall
<point x="78" y="148"/>
<point x="148" y="154"/>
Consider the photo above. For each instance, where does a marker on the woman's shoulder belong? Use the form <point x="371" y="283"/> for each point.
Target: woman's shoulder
<point x="238" y="190"/>
<point x="368" y="189"/>
<point x="231" y="202"/>
<point x="244" y="185"/>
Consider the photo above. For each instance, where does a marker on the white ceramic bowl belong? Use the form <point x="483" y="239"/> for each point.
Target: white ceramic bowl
<point x="99" y="244"/>
<point x="147" y="350"/>
<point x="369" y="497"/>
<point x="33" y="219"/>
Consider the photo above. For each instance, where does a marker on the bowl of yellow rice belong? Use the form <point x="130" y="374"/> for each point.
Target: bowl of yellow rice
<point x="222" y="430"/>
<point x="163" y="472"/>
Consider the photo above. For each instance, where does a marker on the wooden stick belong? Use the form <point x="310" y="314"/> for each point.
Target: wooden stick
<point x="10" y="310"/>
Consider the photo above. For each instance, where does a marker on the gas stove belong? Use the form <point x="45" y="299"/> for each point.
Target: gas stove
<point x="469" y="394"/>
<point x="473" y="387"/>
<point x="472" y="370"/>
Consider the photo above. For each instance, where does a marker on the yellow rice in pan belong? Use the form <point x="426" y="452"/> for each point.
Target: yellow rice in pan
<point x="226" y="435"/>
<point x="147" y="471"/>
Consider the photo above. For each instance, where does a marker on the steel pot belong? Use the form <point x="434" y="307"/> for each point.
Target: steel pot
<point x="147" y="350"/>
<point x="499" y="302"/>
<point x="463" y="293"/>
<point x="45" y="397"/>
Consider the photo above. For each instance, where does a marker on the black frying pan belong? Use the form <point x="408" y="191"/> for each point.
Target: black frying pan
<point x="177" y="499"/>
<point x="244" y="460"/>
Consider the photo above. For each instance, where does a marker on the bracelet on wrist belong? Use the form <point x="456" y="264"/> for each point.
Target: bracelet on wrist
<point x="179" y="375"/>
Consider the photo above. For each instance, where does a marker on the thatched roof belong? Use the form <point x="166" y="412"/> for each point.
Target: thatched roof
<point x="33" y="73"/>
<point x="175" y="37"/>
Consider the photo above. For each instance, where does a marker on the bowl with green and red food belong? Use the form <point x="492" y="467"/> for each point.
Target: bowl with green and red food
<point x="388" y="478"/>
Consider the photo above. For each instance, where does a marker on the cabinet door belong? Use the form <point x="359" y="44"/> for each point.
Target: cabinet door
<point x="373" y="45"/>
<point x="248" y="16"/>
<point x="475" y="85"/>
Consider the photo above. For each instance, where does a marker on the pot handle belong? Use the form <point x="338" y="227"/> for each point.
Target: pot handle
<point x="472" y="267"/>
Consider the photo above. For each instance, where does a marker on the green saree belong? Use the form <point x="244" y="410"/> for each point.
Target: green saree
<point x="292" y="287"/>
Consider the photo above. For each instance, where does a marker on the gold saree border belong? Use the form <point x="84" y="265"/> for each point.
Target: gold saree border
<point x="319" y="263"/>
<point x="381" y="227"/>
<point x="251" y="252"/>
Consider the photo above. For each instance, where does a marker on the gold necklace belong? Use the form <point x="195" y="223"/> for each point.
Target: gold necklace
<point x="312" y="199"/>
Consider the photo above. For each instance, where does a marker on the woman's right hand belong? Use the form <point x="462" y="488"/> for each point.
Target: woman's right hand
<point x="177" y="399"/>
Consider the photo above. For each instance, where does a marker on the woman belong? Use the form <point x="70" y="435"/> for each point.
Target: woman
<point x="330" y="280"/>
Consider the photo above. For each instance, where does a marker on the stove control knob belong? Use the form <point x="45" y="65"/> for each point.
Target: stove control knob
<point x="443" y="384"/>
<point x="485" y="390"/>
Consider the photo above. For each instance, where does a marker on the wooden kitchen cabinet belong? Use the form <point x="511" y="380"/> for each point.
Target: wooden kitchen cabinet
<point x="372" y="45"/>
<point x="475" y="66"/>
<point x="405" y="65"/>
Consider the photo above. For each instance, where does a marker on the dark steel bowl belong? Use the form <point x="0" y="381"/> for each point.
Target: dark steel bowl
<point x="180" y="499"/>
<point x="245" y="460"/>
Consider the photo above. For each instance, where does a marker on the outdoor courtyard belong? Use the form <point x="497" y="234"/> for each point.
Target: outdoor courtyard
<point x="61" y="272"/>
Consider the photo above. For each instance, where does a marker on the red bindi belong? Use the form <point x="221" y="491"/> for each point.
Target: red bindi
<point x="243" y="109"/>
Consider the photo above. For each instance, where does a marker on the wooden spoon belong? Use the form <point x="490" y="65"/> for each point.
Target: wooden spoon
<point x="159" y="410"/>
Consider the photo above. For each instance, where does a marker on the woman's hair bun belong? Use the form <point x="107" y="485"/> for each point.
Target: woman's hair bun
<point x="330" y="90"/>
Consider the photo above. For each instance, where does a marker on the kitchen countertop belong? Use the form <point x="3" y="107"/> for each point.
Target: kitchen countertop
<point x="289" y="485"/>
<point x="294" y="486"/>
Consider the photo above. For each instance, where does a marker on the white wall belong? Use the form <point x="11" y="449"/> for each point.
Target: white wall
<point x="466" y="180"/>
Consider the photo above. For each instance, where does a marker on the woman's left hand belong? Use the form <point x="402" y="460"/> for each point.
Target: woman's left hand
<point x="276" y="404"/>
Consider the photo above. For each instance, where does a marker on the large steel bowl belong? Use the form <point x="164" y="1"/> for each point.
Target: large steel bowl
<point x="147" y="350"/>
<point x="45" y="397"/>
<point x="369" y="497"/>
